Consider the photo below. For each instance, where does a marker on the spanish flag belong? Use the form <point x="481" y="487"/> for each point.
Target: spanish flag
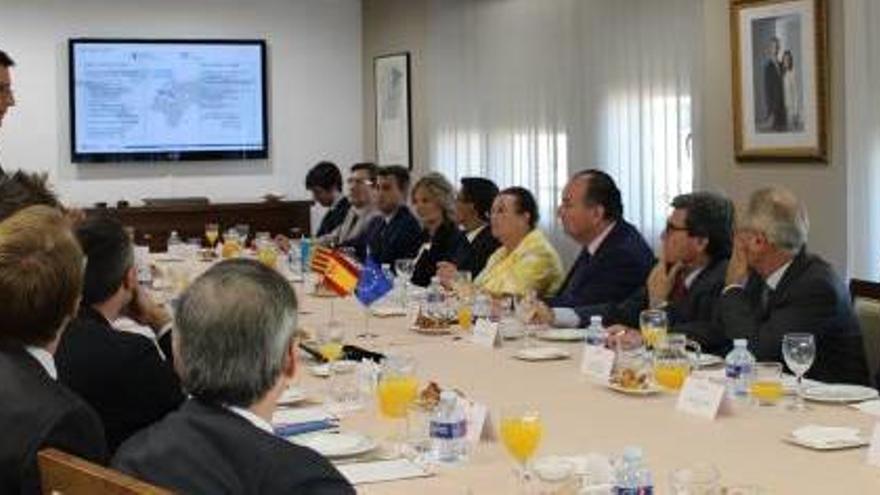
<point x="340" y="274"/>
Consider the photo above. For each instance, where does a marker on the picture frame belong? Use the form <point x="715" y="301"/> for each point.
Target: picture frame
<point x="780" y="80"/>
<point x="391" y="77"/>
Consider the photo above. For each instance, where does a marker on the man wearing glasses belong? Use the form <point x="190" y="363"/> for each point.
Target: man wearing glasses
<point x="362" y="196"/>
<point x="7" y="99"/>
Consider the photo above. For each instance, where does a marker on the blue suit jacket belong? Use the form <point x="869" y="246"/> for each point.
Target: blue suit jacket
<point x="619" y="267"/>
<point x="400" y="238"/>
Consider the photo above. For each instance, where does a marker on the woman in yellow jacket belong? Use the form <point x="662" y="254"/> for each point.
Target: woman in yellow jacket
<point x="526" y="260"/>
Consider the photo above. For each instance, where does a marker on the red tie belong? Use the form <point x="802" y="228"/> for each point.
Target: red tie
<point x="679" y="289"/>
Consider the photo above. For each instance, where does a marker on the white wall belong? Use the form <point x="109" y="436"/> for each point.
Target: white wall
<point x="315" y="92"/>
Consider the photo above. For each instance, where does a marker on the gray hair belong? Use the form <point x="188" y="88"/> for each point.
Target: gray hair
<point x="781" y="216"/>
<point x="233" y="327"/>
<point x="440" y="190"/>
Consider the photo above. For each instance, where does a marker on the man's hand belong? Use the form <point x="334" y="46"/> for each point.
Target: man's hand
<point x="623" y="336"/>
<point x="661" y="280"/>
<point x="543" y="314"/>
<point x="147" y="312"/>
<point x="283" y="243"/>
<point x="738" y="266"/>
<point x="446" y="273"/>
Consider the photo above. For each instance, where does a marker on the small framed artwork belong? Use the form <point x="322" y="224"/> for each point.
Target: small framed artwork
<point x="780" y="79"/>
<point x="393" y="131"/>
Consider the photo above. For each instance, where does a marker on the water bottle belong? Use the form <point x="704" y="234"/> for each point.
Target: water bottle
<point x="595" y="334"/>
<point x="305" y="253"/>
<point x="482" y="306"/>
<point x="633" y="476"/>
<point x="294" y="258"/>
<point x="738" y="367"/>
<point x="175" y="245"/>
<point x="448" y="430"/>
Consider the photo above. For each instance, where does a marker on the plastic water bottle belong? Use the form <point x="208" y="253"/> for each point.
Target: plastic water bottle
<point x="448" y="430"/>
<point x="175" y="246"/>
<point x="305" y="253"/>
<point x="633" y="476"/>
<point x="482" y="306"/>
<point x="294" y="258"/>
<point x="595" y="332"/>
<point x="739" y="366"/>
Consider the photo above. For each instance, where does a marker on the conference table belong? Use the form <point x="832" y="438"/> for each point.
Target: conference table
<point x="580" y="417"/>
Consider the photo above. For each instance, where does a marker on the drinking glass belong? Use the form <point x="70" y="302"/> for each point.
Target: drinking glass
<point x="766" y="387"/>
<point x="799" y="351"/>
<point x="244" y="231"/>
<point x="404" y="269"/>
<point x="212" y="232"/>
<point x="397" y="389"/>
<point x="700" y="479"/>
<point x="653" y="324"/>
<point x="521" y="431"/>
<point x="525" y="307"/>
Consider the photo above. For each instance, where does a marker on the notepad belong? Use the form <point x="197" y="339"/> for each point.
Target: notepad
<point x="375" y="472"/>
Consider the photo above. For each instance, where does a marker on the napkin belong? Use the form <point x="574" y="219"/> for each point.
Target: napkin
<point x="377" y="471"/>
<point x="823" y="435"/>
<point x="871" y="407"/>
<point x="289" y="416"/>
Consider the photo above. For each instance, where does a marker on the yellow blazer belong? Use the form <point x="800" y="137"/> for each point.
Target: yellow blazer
<point x="534" y="264"/>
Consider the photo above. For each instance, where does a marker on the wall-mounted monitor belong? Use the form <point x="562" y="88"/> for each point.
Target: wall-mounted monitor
<point x="167" y="100"/>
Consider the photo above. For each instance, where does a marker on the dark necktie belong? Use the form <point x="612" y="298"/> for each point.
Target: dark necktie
<point x="679" y="288"/>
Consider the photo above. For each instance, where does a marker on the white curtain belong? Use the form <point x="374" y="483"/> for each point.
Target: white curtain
<point x="862" y="40"/>
<point x="526" y="92"/>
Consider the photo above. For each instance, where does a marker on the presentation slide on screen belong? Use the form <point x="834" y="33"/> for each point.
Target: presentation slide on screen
<point x="146" y="98"/>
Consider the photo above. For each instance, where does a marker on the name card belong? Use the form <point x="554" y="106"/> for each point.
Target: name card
<point x="874" y="449"/>
<point x="597" y="362"/>
<point x="701" y="397"/>
<point x="485" y="333"/>
<point x="479" y="424"/>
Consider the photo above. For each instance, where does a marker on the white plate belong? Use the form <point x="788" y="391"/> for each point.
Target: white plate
<point x="335" y="445"/>
<point x="839" y="393"/>
<point x="320" y="370"/>
<point x="542" y="354"/>
<point x="828" y="438"/>
<point x="387" y="311"/>
<point x="651" y="390"/>
<point x="562" y="334"/>
<point x="707" y="360"/>
<point x="292" y="395"/>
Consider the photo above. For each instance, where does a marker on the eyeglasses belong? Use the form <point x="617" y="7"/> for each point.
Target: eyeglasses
<point x="670" y="227"/>
<point x="354" y="181"/>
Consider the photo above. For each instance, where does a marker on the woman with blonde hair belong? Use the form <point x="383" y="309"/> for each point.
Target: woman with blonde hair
<point x="433" y="199"/>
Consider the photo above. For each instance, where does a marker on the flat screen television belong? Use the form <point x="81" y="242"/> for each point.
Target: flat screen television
<point x="167" y="100"/>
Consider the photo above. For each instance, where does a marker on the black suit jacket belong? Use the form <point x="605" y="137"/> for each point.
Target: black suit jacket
<point x="619" y="267"/>
<point x="810" y="298"/>
<point x="448" y="244"/>
<point x="206" y="449"/>
<point x="334" y="217"/>
<point x="483" y="245"/>
<point x="36" y="412"/>
<point x="119" y="374"/>
<point x="696" y="315"/>
<point x="388" y="242"/>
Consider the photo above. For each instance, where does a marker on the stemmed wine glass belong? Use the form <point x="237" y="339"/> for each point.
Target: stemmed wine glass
<point x="799" y="351"/>
<point x="521" y="431"/>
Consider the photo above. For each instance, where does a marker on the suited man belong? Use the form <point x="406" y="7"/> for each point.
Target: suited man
<point x="396" y="234"/>
<point x="362" y="196"/>
<point x="774" y="286"/>
<point x="41" y="269"/>
<point x="236" y="348"/>
<point x="472" y="208"/>
<point x="120" y="374"/>
<point x="7" y="98"/>
<point x="689" y="276"/>
<point x="324" y="181"/>
<point x="615" y="259"/>
<point x="774" y="92"/>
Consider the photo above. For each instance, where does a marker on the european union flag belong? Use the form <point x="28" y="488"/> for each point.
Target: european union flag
<point x="372" y="284"/>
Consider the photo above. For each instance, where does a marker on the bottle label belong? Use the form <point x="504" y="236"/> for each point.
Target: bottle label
<point x="448" y="430"/>
<point x="642" y="490"/>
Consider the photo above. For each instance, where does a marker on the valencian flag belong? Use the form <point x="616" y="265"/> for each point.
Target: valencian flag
<point x="373" y="284"/>
<point x="340" y="274"/>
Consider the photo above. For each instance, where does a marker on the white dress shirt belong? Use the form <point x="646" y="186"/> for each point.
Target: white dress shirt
<point x="45" y="358"/>
<point x="252" y="418"/>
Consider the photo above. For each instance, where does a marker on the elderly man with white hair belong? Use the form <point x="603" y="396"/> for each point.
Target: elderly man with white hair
<point x="774" y="286"/>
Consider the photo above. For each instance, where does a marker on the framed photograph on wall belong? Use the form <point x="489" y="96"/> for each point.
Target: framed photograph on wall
<point x="780" y="79"/>
<point x="393" y="126"/>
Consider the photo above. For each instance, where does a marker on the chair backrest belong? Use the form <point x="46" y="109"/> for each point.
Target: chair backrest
<point x="65" y="474"/>
<point x="866" y="304"/>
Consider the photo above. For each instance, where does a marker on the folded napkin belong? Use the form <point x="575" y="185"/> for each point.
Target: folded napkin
<point x="293" y="429"/>
<point x="871" y="407"/>
<point x="374" y="472"/>
<point x="818" y="434"/>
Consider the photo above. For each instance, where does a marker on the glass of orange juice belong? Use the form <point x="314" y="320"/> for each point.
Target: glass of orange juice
<point x="671" y="376"/>
<point x="521" y="431"/>
<point x="397" y="389"/>
<point x="653" y="324"/>
<point x="766" y="386"/>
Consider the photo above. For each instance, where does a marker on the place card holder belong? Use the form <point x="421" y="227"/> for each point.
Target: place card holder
<point x="703" y="398"/>
<point x="597" y="362"/>
<point x="485" y="334"/>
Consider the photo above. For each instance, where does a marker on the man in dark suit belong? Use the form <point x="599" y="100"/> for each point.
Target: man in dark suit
<point x="7" y="97"/>
<point x="774" y="91"/>
<point x="41" y="268"/>
<point x="324" y="181"/>
<point x="236" y="347"/>
<point x="775" y="287"/>
<point x="472" y="207"/>
<point x="396" y="234"/>
<point x="615" y="259"/>
<point x="121" y="374"/>
<point x="689" y="276"/>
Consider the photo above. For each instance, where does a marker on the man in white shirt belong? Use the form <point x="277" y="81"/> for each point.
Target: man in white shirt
<point x="41" y="273"/>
